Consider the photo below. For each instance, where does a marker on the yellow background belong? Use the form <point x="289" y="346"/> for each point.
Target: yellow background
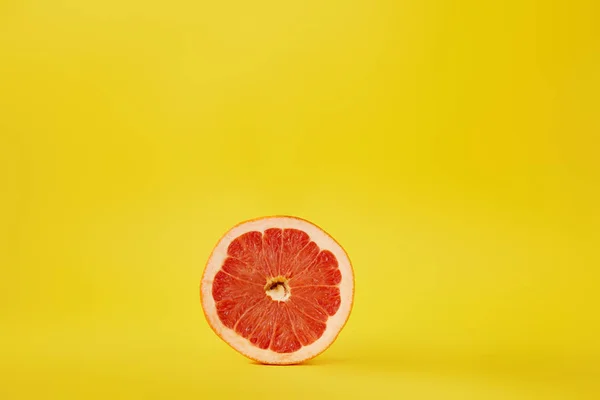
<point x="451" y="147"/>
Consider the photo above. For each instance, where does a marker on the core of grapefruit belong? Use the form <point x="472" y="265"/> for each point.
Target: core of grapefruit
<point x="277" y="289"/>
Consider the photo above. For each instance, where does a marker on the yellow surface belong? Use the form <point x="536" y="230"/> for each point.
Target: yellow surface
<point x="452" y="147"/>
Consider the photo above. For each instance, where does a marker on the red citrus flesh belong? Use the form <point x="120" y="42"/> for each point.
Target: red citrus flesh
<point x="279" y="256"/>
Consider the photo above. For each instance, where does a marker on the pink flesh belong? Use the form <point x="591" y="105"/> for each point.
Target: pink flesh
<point x="313" y="276"/>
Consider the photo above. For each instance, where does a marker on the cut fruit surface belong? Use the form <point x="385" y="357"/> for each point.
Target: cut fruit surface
<point x="277" y="289"/>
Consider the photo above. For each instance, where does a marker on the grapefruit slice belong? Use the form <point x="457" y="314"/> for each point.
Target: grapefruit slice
<point x="277" y="289"/>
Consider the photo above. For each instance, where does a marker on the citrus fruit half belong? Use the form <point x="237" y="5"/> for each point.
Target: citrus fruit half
<point x="277" y="289"/>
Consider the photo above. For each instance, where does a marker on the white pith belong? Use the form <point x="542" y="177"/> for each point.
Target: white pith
<point x="280" y="292"/>
<point x="334" y="323"/>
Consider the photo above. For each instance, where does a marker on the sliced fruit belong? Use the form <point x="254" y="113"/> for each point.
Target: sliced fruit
<point x="277" y="289"/>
